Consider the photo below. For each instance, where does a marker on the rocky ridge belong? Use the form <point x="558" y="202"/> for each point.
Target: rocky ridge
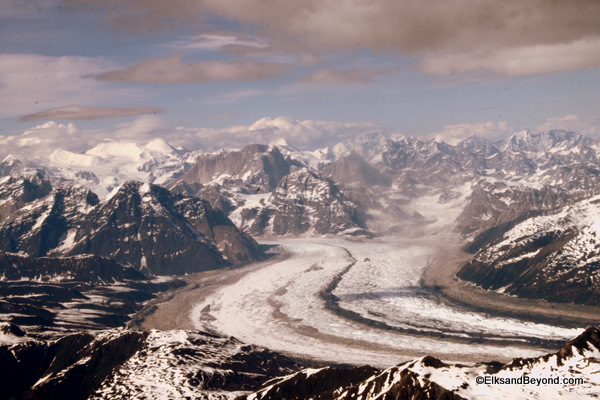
<point x="140" y="225"/>
<point x="554" y="256"/>
<point x="121" y="363"/>
<point x="570" y="373"/>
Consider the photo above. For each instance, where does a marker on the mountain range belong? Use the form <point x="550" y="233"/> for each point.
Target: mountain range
<point x="369" y="186"/>
<point x="86" y="239"/>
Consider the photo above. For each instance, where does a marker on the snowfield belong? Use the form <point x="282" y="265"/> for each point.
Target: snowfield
<point x="283" y="306"/>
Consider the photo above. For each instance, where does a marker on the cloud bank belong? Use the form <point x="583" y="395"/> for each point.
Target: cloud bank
<point x="509" y="37"/>
<point x="40" y="141"/>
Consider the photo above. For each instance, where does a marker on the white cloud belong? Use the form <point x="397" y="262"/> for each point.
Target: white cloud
<point x="42" y="140"/>
<point x="454" y="134"/>
<point x="304" y="135"/>
<point x="217" y="41"/>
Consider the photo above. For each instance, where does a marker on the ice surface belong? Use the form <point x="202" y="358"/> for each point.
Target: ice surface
<point x="279" y="306"/>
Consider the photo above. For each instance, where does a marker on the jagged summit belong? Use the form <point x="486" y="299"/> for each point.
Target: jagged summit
<point x="304" y="202"/>
<point x="544" y="141"/>
<point x="140" y="225"/>
<point x="255" y="166"/>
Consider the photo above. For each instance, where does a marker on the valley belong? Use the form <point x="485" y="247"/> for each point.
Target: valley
<point x="381" y="307"/>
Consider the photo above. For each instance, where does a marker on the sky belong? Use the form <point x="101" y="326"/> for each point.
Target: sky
<point x="310" y="71"/>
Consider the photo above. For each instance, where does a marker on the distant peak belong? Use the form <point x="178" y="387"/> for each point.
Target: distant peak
<point x="11" y="159"/>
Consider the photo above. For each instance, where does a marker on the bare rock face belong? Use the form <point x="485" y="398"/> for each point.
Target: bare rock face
<point x="492" y="205"/>
<point x="40" y="227"/>
<point x="259" y="167"/>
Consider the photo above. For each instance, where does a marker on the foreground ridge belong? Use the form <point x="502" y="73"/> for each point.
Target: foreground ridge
<point x="570" y="373"/>
<point x="121" y="363"/>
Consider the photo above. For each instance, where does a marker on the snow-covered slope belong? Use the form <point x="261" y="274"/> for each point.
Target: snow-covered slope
<point x="107" y="164"/>
<point x="123" y="364"/>
<point x="120" y="363"/>
<point x="555" y="257"/>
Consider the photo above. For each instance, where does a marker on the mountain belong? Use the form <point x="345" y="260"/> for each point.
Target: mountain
<point x="43" y="224"/>
<point x="121" y="363"/>
<point x="555" y="257"/>
<point x="353" y="169"/>
<point x="370" y="185"/>
<point x="267" y="194"/>
<point x="140" y="225"/>
<point x="569" y="373"/>
<point x="106" y="165"/>
<point x="11" y="166"/>
<point x="86" y="268"/>
<point x="134" y="365"/>
<point x="255" y="167"/>
<point x="304" y="202"/>
<point x="369" y="146"/>
<point x="492" y="205"/>
<point x="16" y="192"/>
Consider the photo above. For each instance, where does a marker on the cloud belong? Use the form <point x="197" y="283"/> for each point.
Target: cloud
<point x="217" y="41"/>
<point x="234" y="97"/>
<point x="461" y="34"/>
<point x="585" y="126"/>
<point x="307" y="134"/>
<point x="40" y="141"/>
<point x="174" y="69"/>
<point x="454" y="134"/>
<point x="25" y="9"/>
<point x="330" y="76"/>
<point x="79" y="112"/>
<point x="517" y="61"/>
<point x="30" y="82"/>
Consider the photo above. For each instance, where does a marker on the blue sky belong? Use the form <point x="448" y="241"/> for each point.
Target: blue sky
<point x="445" y="68"/>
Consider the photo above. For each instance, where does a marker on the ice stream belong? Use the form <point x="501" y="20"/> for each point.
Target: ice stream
<point x="282" y="306"/>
